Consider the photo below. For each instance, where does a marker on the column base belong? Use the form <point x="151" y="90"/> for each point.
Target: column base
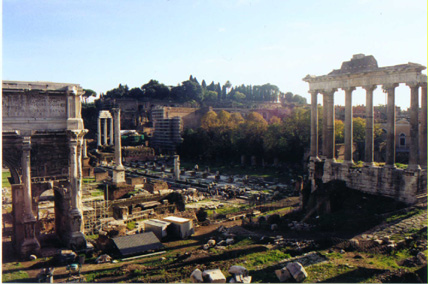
<point x="348" y="163"/>
<point x="118" y="176"/>
<point x="29" y="246"/>
<point x="414" y="167"/>
<point x="390" y="166"/>
<point x="315" y="159"/>
<point x="368" y="164"/>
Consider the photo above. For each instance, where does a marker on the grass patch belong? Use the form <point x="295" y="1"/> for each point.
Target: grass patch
<point x="97" y="192"/>
<point x="4" y="180"/>
<point x="130" y="225"/>
<point x="262" y="258"/>
<point x="88" y="180"/>
<point x="405" y="215"/>
<point x="228" y="210"/>
<point x="16" y="276"/>
<point x="325" y="271"/>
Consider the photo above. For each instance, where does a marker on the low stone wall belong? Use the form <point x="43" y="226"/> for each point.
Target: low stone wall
<point x="402" y="185"/>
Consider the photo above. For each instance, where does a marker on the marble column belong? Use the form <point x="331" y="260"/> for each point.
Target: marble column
<point x="105" y="132"/>
<point x="325" y="142"/>
<point x="26" y="176"/>
<point x="390" y="128"/>
<point x="423" y="130"/>
<point x="85" y="149"/>
<point x="348" y="125"/>
<point x="369" y="143"/>
<point x="330" y="137"/>
<point x="75" y="238"/>
<point x="99" y="132"/>
<point x="30" y="243"/>
<point x="119" y="170"/>
<point x="117" y="139"/>
<point x="314" y="125"/>
<point x="72" y="145"/>
<point x="414" y="126"/>
<point x="111" y="132"/>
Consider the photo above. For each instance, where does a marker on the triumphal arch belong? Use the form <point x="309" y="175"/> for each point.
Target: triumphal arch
<point x="363" y="71"/>
<point x="42" y="146"/>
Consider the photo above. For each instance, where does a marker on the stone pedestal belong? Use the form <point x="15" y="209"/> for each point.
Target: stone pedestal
<point x="76" y="239"/>
<point x="30" y="245"/>
<point x="118" y="175"/>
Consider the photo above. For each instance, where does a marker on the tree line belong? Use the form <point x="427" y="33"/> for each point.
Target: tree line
<point x="204" y="94"/>
<point x="225" y="136"/>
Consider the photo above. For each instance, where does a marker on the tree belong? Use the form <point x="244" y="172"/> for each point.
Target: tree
<point x="209" y="120"/>
<point x="339" y="131"/>
<point x="224" y="119"/>
<point x="119" y="92"/>
<point x="238" y="96"/>
<point x="154" y="89"/>
<point x="236" y="119"/>
<point x="274" y="120"/>
<point x="210" y="95"/>
<point x="89" y="93"/>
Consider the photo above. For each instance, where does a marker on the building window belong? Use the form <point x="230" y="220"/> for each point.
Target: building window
<point x="402" y="140"/>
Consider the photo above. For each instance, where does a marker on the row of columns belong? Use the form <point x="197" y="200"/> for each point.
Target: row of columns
<point x="104" y="134"/>
<point x="418" y="141"/>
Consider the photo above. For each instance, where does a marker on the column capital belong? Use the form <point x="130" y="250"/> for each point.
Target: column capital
<point x="369" y="88"/>
<point x="413" y="84"/>
<point x="348" y="89"/>
<point x="26" y="142"/>
<point x="389" y="86"/>
<point x="423" y="84"/>
<point x="314" y="92"/>
<point x="328" y="91"/>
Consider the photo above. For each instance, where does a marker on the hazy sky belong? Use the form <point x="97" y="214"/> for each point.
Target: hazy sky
<point x="99" y="44"/>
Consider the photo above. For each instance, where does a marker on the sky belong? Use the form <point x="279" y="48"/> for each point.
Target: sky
<point x="100" y="44"/>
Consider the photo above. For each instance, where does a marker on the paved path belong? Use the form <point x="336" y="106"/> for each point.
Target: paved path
<point x="415" y="222"/>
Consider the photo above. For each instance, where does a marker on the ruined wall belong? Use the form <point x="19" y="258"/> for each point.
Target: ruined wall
<point x="402" y="185"/>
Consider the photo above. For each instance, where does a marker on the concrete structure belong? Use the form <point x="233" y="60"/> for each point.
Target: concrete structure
<point x="104" y="116"/>
<point x="158" y="227"/>
<point x="363" y="71"/>
<point x="167" y="134"/>
<point x="182" y="227"/>
<point x="42" y="146"/>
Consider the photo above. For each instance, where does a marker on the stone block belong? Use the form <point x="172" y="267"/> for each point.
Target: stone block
<point x="196" y="276"/>
<point x="297" y="271"/>
<point x="283" y="274"/>
<point x="214" y="276"/>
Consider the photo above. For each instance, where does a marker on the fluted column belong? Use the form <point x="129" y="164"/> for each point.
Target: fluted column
<point x="73" y="168"/>
<point x="325" y="142"/>
<point x="414" y="126"/>
<point x="390" y="115"/>
<point x="85" y="149"/>
<point x="348" y="125"/>
<point x="105" y="132"/>
<point x="99" y="132"/>
<point x="111" y="132"/>
<point x="314" y="125"/>
<point x="369" y="143"/>
<point x="328" y="139"/>
<point x="26" y="176"/>
<point x="423" y="130"/>
<point x="30" y="243"/>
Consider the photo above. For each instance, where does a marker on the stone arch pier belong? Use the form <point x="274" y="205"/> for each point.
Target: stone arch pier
<point x="42" y="146"/>
<point x="363" y="71"/>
